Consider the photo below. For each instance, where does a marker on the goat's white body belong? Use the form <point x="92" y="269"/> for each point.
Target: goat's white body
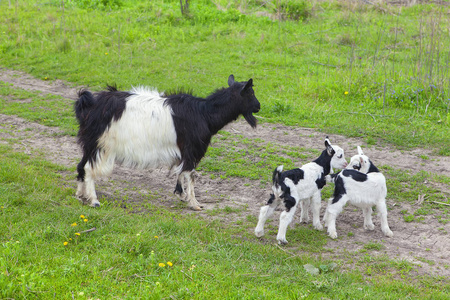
<point x="364" y="195"/>
<point x="144" y="136"/>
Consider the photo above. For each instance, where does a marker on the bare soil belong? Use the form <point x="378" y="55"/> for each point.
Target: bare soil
<point x="425" y="243"/>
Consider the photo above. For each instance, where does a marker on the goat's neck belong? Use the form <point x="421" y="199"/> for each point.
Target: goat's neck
<point x="220" y="109"/>
<point x="324" y="160"/>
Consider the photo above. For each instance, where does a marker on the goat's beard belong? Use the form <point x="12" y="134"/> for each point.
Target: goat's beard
<point x="250" y="119"/>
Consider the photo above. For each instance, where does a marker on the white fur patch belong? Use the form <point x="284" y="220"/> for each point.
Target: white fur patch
<point x="144" y="137"/>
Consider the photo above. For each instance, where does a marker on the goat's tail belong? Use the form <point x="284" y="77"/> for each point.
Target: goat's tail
<point x="276" y="181"/>
<point x="85" y="102"/>
<point x="277" y="175"/>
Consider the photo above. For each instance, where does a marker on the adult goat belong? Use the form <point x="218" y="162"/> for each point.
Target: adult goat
<point x="145" y="129"/>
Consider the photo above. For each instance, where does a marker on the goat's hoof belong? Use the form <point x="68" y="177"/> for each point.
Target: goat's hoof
<point x="95" y="204"/>
<point x="259" y="233"/>
<point x="318" y="227"/>
<point x="333" y="235"/>
<point x="369" y="227"/>
<point x="282" y="241"/>
<point x="196" y="208"/>
<point x="389" y="233"/>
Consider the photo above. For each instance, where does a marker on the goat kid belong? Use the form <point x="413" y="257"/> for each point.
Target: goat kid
<point x="300" y="185"/>
<point x="144" y="129"/>
<point x="363" y="186"/>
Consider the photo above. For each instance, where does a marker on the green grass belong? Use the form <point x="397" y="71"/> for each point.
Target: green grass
<point x="122" y="256"/>
<point x="344" y="69"/>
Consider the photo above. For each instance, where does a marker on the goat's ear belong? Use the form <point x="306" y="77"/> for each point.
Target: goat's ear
<point x="230" y="80"/>
<point x="248" y="85"/>
<point x="360" y="152"/>
<point x="361" y="160"/>
<point x="330" y="149"/>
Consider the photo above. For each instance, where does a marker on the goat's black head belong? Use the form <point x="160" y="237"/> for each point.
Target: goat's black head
<point x="248" y="102"/>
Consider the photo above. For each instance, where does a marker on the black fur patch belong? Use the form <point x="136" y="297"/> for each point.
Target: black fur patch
<point x="295" y="175"/>
<point x="372" y="168"/>
<point x="94" y="113"/>
<point x="355" y="175"/>
<point x="178" y="189"/>
<point x="196" y="120"/>
<point x="324" y="161"/>
<point x="321" y="182"/>
<point x="271" y="199"/>
<point x="288" y="200"/>
<point x="339" y="189"/>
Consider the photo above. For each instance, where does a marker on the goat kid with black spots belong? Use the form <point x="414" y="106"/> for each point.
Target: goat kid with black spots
<point x="300" y="185"/>
<point x="142" y="128"/>
<point x="362" y="185"/>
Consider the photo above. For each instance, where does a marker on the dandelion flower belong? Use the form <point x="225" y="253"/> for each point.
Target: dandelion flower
<point x="73" y="224"/>
<point x="85" y="220"/>
<point x="345" y="93"/>
<point x="77" y="233"/>
<point x="66" y="243"/>
<point x="169" y="264"/>
<point x="162" y="265"/>
<point x="156" y="237"/>
<point x="106" y="53"/>
<point x="82" y="217"/>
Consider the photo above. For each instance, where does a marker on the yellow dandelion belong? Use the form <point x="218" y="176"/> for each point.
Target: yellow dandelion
<point x="77" y="233"/>
<point x="45" y="78"/>
<point x="345" y="93"/>
<point x="66" y="243"/>
<point x="106" y="53"/>
<point x="156" y="237"/>
<point x="70" y="239"/>
<point x="169" y="264"/>
<point x="73" y="224"/>
<point x="85" y="220"/>
<point x="162" y="265"/>
<point x="82" y="217"/>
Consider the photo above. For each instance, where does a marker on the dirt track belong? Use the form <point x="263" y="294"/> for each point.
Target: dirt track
<point x="416" y="242"/>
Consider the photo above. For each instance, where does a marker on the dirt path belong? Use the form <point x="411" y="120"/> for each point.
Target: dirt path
<point x="426" y="244"/>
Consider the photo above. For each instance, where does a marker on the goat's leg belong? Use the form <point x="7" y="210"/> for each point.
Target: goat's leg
<point x="382" y="212"/>
<point x="190" y="194"/>
<point x="89" y="183"/>
<point x="286" y="218"/>
<point x="368" y="224"/>
<point x="179" y="190"/>
<point x="265" y="213"/>
<point x="333" y="210"/>
<point x="304" y="210"/>
<point x="104" y="165"/>
<point x="316" y="204"/>
<point x="81" y="189"/>
<point x="325" y="216"/>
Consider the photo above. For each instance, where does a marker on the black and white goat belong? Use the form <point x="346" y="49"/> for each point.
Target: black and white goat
<point x="144" y="129"/>
<point x="362" y="185"/>
<point x="300" y="185"/>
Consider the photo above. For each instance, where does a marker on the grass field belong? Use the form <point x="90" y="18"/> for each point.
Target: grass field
<point x="375" y="73"/>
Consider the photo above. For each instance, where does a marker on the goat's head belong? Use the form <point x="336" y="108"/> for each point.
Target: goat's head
<point x="247" y="100"/>
<point x="359" y="162"/>
<point x="337" y="155"/>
